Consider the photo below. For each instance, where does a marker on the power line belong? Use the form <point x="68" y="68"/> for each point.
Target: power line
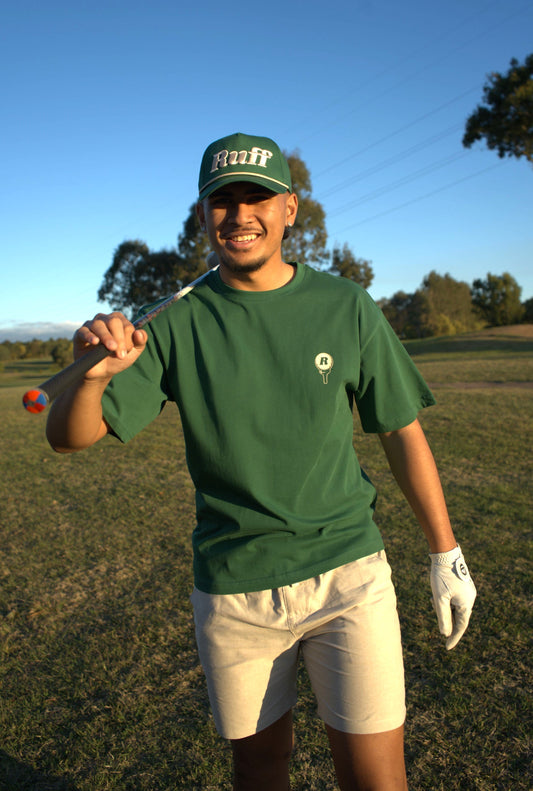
<point x="391" y="160"/>
<point x="399" y="130"/>
<point x="399" y="183"/>
<point x="421" y="197"/>
<point x="423" y="69"/>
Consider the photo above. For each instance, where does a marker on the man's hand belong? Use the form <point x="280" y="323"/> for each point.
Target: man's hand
<point x="75" y="420"/>
<point x="454" y="593"/>
<point x="118" y="335"/>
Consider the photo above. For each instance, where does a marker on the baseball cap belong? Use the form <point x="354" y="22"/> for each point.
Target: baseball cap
<point x="240" y="157"/>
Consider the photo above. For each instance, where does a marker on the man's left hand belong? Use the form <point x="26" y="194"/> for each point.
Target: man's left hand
<point x="454" y="593"/>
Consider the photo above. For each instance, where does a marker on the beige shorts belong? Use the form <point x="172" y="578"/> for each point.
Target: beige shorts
<point x="345" y="625"/>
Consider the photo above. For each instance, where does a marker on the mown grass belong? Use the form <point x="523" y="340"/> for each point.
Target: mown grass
<point x="100" y="686"/>
<point x="16" y="373"/>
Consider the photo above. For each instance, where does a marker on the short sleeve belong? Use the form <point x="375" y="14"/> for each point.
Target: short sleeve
<point x="136" y="396"/>
<point x="391" y="390"/>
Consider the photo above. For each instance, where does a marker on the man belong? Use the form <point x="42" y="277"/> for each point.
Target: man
<point x="266" y="360"/>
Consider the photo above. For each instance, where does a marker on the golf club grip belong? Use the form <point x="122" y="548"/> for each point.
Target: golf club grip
<point x="61" y="381"/>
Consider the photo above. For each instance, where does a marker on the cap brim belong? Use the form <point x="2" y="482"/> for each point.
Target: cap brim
<point x="264" y="181"/>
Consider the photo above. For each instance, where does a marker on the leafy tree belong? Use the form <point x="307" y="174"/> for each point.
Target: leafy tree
<point x="138" y="276"/>
<point x="35" y="349"/>
<point x="528" y="311"/>
<point x="345" y="264"/>
<point x="395" y="310"/>
<point x="118" y="286"/>
<point x="406" y="313"/>
<point x="498" y="299"/>
<point x="306" y="241"/>
<point x="62" y="353"/>
<point x="449" y="308"/>
<point x="506" y="118"/>
<point x="17" y="350"/>
<point x="193" y="247"/>
<point x="4" y="355"/>
<point x="441" y="306"/>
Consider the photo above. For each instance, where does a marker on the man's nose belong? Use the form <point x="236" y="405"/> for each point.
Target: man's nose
<point x="240" y="212"/>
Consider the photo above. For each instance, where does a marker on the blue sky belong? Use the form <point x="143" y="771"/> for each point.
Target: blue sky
<point x="107" y="107"/>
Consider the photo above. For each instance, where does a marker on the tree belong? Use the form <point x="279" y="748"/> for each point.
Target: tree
<point x="441" y="306"/>
<point x="35" y="349"/>
<point x="345" y="264"/>
<point x="17" y="350"/>
<point x="193" y="246"/>
<point x="498" y="299"/>
<point x="307" y="239"/>
<point x="528" y="311"/>
<point x="138" y="276"/>
<point x="506" y="118"/>
<point x="406" y="313"/>
<point x="449" y="308"/>
<point x="61" y="353"/>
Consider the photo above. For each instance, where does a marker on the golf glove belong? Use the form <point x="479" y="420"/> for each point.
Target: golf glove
<point x="454" y="593"/>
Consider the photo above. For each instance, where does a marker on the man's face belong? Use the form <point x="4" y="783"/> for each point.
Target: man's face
<point x="245" y="224"/>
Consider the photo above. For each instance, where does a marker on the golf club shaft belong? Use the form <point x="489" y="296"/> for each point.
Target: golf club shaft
<point x="37" y="399"/>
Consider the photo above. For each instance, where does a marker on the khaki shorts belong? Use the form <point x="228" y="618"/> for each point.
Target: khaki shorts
<point x="345" y="625"/>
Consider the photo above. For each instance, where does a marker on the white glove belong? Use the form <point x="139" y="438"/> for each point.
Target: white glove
<point x="454" y="593"/>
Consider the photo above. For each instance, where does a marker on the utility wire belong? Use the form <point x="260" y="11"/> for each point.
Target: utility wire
<point x="423" y="69"/>
<point x="397" y="131"/>
<point x="399" y="183"/>
<point x="421" y="197"/>
<point x="392" y="160"/>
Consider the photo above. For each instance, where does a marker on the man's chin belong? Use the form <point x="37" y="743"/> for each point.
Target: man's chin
<point x="241" y="267"/>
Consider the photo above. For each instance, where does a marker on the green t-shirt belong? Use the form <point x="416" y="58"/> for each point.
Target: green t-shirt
<point x="265" y="383"/>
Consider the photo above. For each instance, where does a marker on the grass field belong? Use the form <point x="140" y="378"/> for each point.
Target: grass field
<point x="100" y="687"/>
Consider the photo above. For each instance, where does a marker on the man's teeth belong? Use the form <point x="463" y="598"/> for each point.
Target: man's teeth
<point x="249" y="237"/>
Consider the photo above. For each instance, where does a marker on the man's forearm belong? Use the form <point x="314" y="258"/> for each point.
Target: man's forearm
<point x="75" y="420"/>
<point x="413" y="466"/>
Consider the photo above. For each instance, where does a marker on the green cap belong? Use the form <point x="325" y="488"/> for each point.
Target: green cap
<point x="241" y="157"/>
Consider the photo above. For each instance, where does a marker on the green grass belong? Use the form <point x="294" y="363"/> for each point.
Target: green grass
<point x="100" y="686"/>
<point x="26" y="372"/>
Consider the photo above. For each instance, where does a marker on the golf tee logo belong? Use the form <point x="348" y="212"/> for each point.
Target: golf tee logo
<point x="324" y="364"/>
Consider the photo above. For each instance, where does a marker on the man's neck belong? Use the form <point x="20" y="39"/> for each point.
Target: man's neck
<point x="267" y="278"/>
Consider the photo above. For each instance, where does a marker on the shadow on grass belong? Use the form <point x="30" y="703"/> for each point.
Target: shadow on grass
<point x="18" y="776"/>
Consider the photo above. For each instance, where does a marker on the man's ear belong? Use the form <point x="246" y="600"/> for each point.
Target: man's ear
<point x="292" y="209"/>
<point x="200" y="214"/>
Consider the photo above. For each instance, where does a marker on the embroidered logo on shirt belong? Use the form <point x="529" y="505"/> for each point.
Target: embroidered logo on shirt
<point x="324" y="364"/>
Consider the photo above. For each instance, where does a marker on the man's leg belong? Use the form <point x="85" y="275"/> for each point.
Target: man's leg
<point x="369" y="762"/>
<point x="261" y="761"/>
<point x="354" y="661"/>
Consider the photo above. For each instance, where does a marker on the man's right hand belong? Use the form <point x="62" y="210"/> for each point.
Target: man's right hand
<point x="118" y="335"/>
<point x="75" y="420"/>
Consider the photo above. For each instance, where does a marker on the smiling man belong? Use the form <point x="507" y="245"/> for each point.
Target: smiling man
<point x="246" y="219"/>
<point x="266" y="360"/>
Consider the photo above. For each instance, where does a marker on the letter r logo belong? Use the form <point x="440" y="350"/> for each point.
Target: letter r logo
<point x="324" y="364"/>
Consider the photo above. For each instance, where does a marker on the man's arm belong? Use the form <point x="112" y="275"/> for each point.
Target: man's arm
<point x="75" y="420"/>
<point x="414" y="468"/>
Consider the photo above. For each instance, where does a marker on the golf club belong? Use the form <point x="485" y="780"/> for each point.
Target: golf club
<point x="37" y="399"/>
